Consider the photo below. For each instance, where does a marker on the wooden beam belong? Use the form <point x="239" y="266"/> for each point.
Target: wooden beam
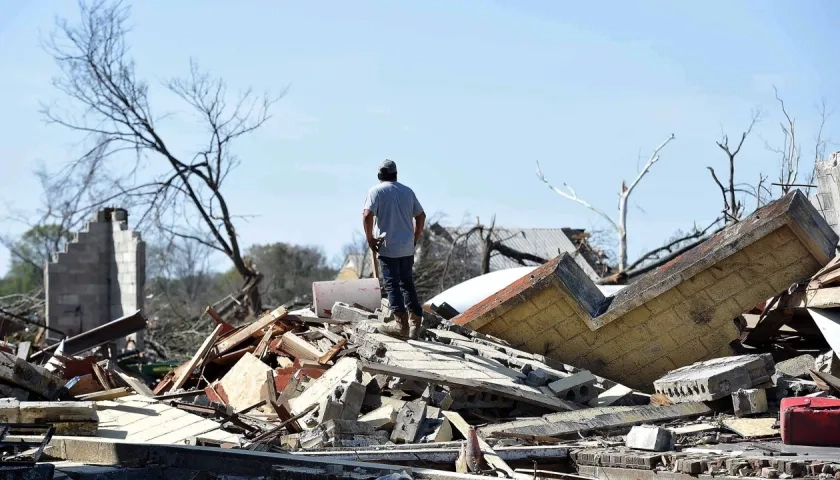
<point x="333" y="351"/>
<point x="197" y="360"/>
<point x="523" y="394"/>
<point x="233" y="340"/>
<point x="299" y="348"/>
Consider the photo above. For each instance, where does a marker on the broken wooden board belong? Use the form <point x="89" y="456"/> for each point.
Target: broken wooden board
<point x="233" y="340"/>
<point x="17" y="371"/>
<point x="245" y="383"/>
<point x="107" y="394"/>
<point x="612" y="419"/>
<point x="197" y="359"/>
<point x="752" y="427"/>
<point x="506" y="391"/>
<point x="139" y="419"/>
<point x="139" y="386"/>
<point x="299" y="348"/>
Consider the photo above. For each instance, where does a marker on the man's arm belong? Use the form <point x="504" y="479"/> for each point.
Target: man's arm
<point x="419" y="224"/>
<point x="367" y="221"/>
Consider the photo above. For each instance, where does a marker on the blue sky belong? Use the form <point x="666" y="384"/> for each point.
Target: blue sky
<point x="465" y="96"/>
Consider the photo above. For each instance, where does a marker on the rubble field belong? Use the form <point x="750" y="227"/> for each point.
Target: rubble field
<point x="721" y="363"/>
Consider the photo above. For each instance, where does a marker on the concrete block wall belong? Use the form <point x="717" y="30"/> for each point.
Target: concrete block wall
<point x="99" y="277"/>
<point x="679" y="314"/>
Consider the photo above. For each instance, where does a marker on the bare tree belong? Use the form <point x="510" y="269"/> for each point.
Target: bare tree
<point x="620" y="225"/>
<point x="181" y="192"/>
<point x="733" y="208"/>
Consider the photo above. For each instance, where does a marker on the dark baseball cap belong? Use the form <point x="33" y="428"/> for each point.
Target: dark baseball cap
<point x="388" y="166"/>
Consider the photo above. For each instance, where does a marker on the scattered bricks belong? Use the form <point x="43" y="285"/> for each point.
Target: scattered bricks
<point x="714" y="379"/>
<point x="815" y="468"/>
<point x="797" y="366"/>
<point x="651" y="438"/>
<point x="795" y="469"/>
<point x="690" y="466"/>
<point x="587" y="321"/>
<point x="578" y="388"/>
<point x="343" y="311"/>
<point x="768" y="472"/>
<point x="409" y="420"/>
<point x="617" y="395"/>
<point x="749" y="402"/>
<point x="352" y="400"/>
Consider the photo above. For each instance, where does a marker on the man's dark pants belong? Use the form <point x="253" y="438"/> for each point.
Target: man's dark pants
<point x="398" y="278"/>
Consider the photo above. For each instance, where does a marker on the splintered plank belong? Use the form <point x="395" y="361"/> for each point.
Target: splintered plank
<point x="523" y="394"/>
<point x="234" y="339"/>
<point x="16" y="371"/>
<point x="299" y="348"/>
<point x="197" y="360"/>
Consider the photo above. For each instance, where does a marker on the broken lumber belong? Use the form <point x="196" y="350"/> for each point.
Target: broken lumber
<point x="299" y="348"/>
<point x="16" y="371"/>
<point x="506" y="391"/>
<point x="245" y="384"/>
<point x="197" y="360"/>
<point x="233" y="340"/>
<point x="119" y="328"/>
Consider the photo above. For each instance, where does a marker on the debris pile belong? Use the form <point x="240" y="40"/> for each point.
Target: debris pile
<point x="719" y="363"/>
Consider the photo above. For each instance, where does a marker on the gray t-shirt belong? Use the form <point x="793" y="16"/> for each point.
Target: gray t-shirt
<point x="394" y="207"/>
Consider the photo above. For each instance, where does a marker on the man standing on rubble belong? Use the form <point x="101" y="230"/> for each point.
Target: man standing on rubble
<point x="399" y="219"/>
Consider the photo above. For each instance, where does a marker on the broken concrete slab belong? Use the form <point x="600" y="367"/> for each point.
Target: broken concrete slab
<point x="674" y="316"/>
<point x="613" y="419"/>
<point x="382" y="418"/>
<point x="751" y="401"/>
<point x="717" y="378"/>
<point x="650" y="438"/>
<point x="345" y="371"/>
<point x="616" y="395"/>
<point x="797" y="366"/>
<point x="578" y="388"/>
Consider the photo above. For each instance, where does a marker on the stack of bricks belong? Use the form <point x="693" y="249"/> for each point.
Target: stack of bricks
<point x="679" y="314"/>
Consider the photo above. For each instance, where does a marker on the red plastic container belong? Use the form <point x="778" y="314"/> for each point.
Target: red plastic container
<point x="810" y="421"/>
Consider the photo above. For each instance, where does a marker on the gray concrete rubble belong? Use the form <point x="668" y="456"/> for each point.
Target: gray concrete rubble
<point x="650" y="438"/>
<point x="751" y="401"/>
<point x="717" y="378"/>
<point x="546" y="378"/>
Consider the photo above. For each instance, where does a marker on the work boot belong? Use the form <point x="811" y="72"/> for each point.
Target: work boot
<point x="398" y="329"/>
<point x="416" y="326"/>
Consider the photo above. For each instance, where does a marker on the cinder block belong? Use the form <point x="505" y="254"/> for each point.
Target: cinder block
<point x="578" y="388"/>
<point x="694" y="297"/>
<point x="714" y="379"/>
<point x="616" y="395"/>
<point x="343" y="311"/>
<point x="749" y="402"/>
<point x="650" y="438"/>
